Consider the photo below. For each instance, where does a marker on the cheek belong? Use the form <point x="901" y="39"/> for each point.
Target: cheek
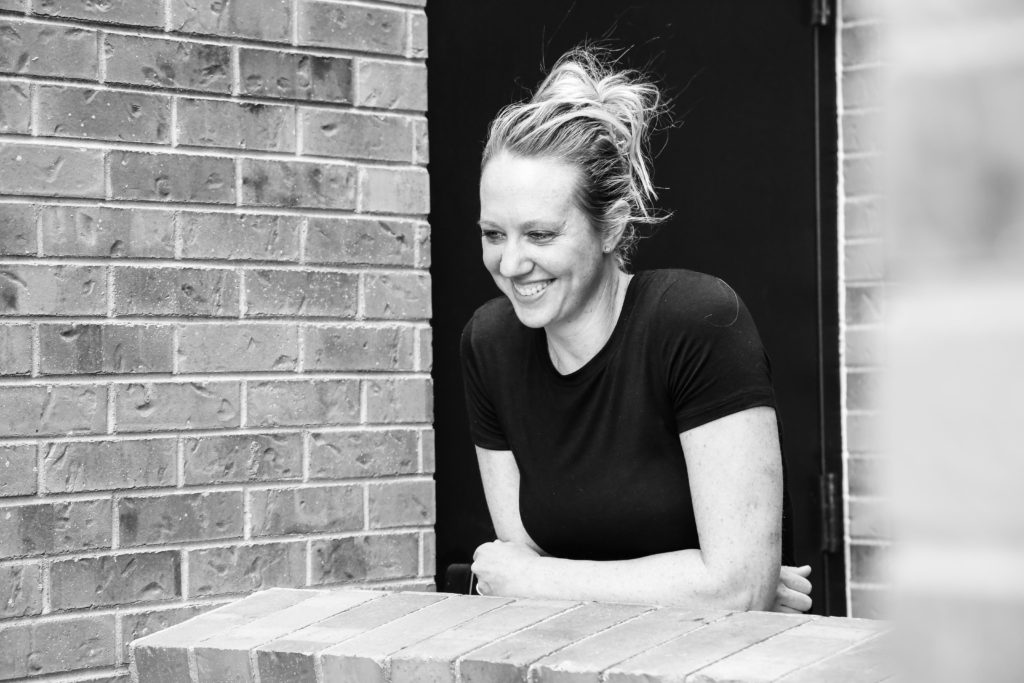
<point x="491" y="257"/>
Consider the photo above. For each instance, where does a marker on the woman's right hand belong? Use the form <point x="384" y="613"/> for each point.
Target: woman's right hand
<point x="793" y="594"/>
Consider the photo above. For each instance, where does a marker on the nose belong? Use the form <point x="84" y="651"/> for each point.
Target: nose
<point x="514" y="262"/>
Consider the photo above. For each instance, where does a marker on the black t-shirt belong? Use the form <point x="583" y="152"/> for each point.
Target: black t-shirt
<point x="602" y="473"/>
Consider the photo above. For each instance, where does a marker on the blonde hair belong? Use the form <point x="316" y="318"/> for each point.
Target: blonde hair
<point x="598" y="119"/>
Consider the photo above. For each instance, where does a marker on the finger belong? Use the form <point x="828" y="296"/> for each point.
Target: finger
<point x="787" y="610"/>
<point x="797" y="583"/>
<point x="803" y="571"/>
<point x="796" y="601"/>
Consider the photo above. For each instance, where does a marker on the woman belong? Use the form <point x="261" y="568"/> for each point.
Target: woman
<point x="624" y="424"/>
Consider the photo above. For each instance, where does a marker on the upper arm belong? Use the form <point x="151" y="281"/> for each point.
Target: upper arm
<point x="734" y="465"/>
<point x="500" y="476"/>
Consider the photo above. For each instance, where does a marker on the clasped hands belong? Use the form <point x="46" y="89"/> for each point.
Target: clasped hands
<point x="501" y="568"/>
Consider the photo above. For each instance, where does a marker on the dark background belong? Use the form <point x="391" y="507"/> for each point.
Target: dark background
<point x="748" y="169"/>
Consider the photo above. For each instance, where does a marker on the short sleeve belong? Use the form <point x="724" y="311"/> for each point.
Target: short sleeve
<point x="717" y="365"/>
<point x="484" y="426"/>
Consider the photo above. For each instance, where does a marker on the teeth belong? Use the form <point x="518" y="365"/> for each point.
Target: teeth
<point x="531" y="290"/>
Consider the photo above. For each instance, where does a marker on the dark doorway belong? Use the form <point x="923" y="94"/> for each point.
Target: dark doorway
<point x="749" y="171"/>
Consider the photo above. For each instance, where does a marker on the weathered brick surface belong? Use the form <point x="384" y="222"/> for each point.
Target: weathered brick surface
<point x="18" y="468"/>
<point x="180" y="517"/>
<point x="303" y="402"/>
<point x="239" y="237"/>
<point x="278" y="512"/>
<point x="401" y="503"/>
<point x="108" y="465"/>
<point x="342" y="560"/>
<point x="138" y="624"/>
<point x="247" y="125"/>
<point x="15" y="108"/>
<point x="53" y="410"/>
<point x="164" y="405"/>
<point x="50" y="171"/>
<point x="260" y="19"/>
<point x="293" y="76"/>
<point x="172" y="178"/>
<point x="391" y="85"/>
<point x="402" y="295"/>
<point x="21" y="590"/>
<point x="339" y="241"/>
<point x="89" y="349"/>
<point x="342" y="455"/>
<point x="45" y="50"/>
<point x="39" y="290"/>
<point x="175" y="291"/>
<point x="105" y="231"/>
<point x="296" y="293"/>
<point x="15" y="349"/>
<point x="103" y="115"/>
<point x="115" y="580"/>
<point x="176" y="64"/>
<point x="298" y="184"/>
<point x="17" y="230"/>
<point x="228" y="347"/>
<point x="359" y="348"/>
<point x="43" y="528"/>
<point x="246" y="568"/>
<point x="394" y="190"/>
<point x="243" y="458"/>
<point x="352" y="27"/>
<point x="134" y="12"/>
<point x="399" y="400"/>
<point x="33" y="649"/>
<point x="334" y="133"/>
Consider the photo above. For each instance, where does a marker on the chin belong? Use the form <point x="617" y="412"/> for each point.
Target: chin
<point x="533" y="319"/>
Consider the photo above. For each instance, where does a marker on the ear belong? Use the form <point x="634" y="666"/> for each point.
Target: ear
<point x="618" y="219"/>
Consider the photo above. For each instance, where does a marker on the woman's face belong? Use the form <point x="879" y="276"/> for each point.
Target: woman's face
<point x="538" y="246"/>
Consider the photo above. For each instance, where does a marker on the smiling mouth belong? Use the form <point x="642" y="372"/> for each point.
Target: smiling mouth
<point x="531" y="290"/>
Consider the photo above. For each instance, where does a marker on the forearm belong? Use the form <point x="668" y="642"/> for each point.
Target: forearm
<point x="680" y="579"/>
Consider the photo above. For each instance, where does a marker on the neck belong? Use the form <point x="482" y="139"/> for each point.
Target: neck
<point x="573" y="343"/>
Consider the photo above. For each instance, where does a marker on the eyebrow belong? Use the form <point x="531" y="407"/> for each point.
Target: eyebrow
<point x="528" y="225"/>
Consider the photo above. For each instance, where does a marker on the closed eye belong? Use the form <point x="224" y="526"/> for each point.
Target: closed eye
<point x="492" y="236"/>
<point x="541" y="236"/>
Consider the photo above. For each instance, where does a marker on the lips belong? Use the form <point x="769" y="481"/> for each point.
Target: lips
<point x="532" y="289"/>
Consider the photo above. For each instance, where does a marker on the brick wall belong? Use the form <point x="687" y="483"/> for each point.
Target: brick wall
<point x="862" y="280"/>
<point x="214" y="347"/>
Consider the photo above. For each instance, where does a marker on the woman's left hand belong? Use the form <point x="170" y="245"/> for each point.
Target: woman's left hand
<point x="501" y="568"/>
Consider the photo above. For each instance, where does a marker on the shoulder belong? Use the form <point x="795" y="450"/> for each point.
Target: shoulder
<point x="494" y="332"/>
<point x="690" y="299"/>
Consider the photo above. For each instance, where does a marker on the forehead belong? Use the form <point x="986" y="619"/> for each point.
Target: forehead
<point x="520" y="186"/>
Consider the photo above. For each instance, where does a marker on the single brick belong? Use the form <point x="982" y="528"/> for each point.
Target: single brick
<point x="426" y="359"/>
<point x="864" y="347"/>
<point x="32" y="648"/>
<point x="120" y="579"/>
<point x="290" y="76"/>
<point x="180" y="517"/>
<point x="108" y="465"/>
<point x="401" y="503"/>
<point x="431" y="659"/>
<point x="172" y="178"/>
<point x="250" y="237"/>
<point x="421" y="140"/>
<point x="427" y="438"/>
<point x="399" y="400"/>
<point x="15" y="109"/>
<point x="400" y="295"/>
<point x="303" y="402"/>
<point x="423" y="245"/>
<point x="15" y="349"/>
<point x="298" y="183"/>
<point x="48" y="50"/>
<point x="862" y="218"/>
<point x="869" y="519"/>
<point x="862" y="389"/>
<point x="428" y="554"/>
<point x="260" y="19"/>
<point x="176" y="291"/>
<point x="364" y="657"/>
<point x="243" y="458"/>
<point x="394" y="190"/>
<point x="135" y="625"/>
<point x="867" y="476"/>
<point x="57" y="410"/>
<point x="134" y="12"/>
<point x="21" y="590"/>
<point x="320" y="509"/>
<point x="860" y="45"/>
<point x="87" y="349"/>
<point x="291" y="657"/>
<point x="44" y="528"/>
<point x="227" y="657"/>
<point x="162" y="406"/>
<point x="365" y="558"/>
<point x="17" y="472"/>
<point x="862" y="10"/>
<point x="864" y="305"/>
<point x="359" y="348"/>
<point x="231" y="347"/>
<point x="14" y="5"/>
<point x="871" y="603"/>
<point x="163" y="656"/>
<point x="246" y="568"/>
<point x="356" y="135"/>
<point x="297" y="293"/>
<point x="51" y="171"/>
<point x="861" y="132"/>
<point x="391" y="85"/>
<point x="862" y="88"/>
<point x="352" y="27"/>
<point x="864" y="261"/>
<point x="106" y="231"/>
<point x="383" y="241"/>
<point x="45" y="290"/>
<point x="17" y="230"/>
<point x="238" y="125"/>
<point x="103" y="114"/>
<point x="348" y="455"/>
<point x="163" y="63"/>
<point x="863" y="433"/>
